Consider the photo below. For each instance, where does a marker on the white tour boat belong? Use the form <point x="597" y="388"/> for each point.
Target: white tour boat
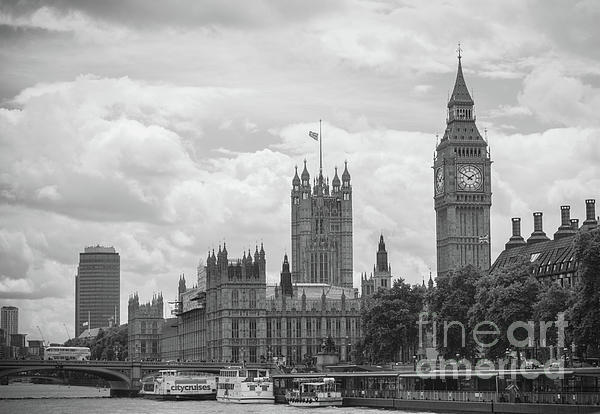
<point x="245" y="386"/>
<point x="179" y="385"/>
<point x="315" y="394"/>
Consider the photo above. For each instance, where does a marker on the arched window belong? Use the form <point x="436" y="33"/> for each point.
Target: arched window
<point x="235" y="299"/>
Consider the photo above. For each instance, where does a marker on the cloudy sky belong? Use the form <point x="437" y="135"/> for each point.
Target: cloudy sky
<point x="164" y="129"/>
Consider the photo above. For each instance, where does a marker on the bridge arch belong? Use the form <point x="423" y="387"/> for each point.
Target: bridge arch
<point x="105" y="373"/>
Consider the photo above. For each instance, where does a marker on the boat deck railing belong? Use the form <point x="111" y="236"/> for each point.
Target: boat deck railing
<point x="572" y="398"/>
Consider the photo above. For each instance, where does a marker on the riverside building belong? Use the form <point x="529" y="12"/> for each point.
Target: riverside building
<point x="233" y="315"/>
<point x="97" y="289"/>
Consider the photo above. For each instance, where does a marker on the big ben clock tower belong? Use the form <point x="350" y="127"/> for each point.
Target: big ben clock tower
<point x="462" y="186"/>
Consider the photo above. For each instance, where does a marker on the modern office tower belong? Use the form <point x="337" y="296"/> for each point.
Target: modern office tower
<point x="9" y="321"/>
<point x="97" y="288"/>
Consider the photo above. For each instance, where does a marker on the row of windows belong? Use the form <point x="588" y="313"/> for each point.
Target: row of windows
<point x="345" y="196"/>
<point x="462" y="113"/>
<point x="319" y="267"/>
<point x="235" y="272"/>
<point x="463" y="130"/>
<point x="556" y="267"/>
<point x="468" y="152"/>
<point x="250" y="303"/>
<point x="149" y="328"/>
<point x="249" y="325"/>
<point x="244" y="353"/>
<point x="470" y="197"/>
<point x="312" y="327"/>
<point x="148" y="347"/>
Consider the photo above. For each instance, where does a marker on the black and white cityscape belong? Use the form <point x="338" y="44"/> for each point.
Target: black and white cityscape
<point x="374" y="204"/>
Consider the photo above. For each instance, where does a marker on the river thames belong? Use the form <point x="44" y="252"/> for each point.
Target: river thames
<point x="18" y="398"/>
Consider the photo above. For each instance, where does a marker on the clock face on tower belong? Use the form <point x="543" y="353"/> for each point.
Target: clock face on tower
<point x="439" y="180"/>
<point x="468" y="177"/>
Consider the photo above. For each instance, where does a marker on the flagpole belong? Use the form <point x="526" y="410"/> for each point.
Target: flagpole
<point x="320" y="148"/>
<point x="89" y="330"/>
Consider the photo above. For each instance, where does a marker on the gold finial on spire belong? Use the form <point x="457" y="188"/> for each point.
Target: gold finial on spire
<point x="459" y="50"/>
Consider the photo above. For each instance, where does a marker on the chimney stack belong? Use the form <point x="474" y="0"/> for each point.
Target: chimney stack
<point x="516" y="239"/>
<point x="575" y="224"/>
<point x="565" y="229"/>
<point x="565" y="215"/>
<point x="516" y="226"/>
<point x="538" y="234"/>
<point x="591" y="222"/>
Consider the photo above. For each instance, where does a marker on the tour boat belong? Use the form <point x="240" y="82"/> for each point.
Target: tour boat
<point x="245" y="386"/>
<point x="179" y="385"/>
<point x="315" y="394"/>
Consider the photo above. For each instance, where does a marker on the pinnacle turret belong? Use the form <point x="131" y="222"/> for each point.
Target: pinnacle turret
<point x="460" y="94"/>
<point x="305" y="175"/>
<point x="381" y="244"/>
<point x="296" y="179"/>
<point x="336" y="181"/>
<point x="285" y="281"/>
<point x="345" y="174"/>
<point x="382" y="257"/>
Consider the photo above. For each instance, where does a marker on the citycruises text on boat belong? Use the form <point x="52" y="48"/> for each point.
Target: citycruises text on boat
<point x="179" y="385"/>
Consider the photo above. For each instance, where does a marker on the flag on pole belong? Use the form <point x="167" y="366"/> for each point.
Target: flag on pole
<point x="313" y="135"/>
<point x="86" y="324"/>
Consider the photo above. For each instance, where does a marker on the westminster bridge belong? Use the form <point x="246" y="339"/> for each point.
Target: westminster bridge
<point x="123" y="376"/>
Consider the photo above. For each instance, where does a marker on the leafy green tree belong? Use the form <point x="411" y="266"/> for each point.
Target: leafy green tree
<point x="585" y="312"/>
<point x="450" y="302"/>
<point x="389" y="320"/>
<point x="109" y="344"/>
<point x="504" y="297"/>
<point x="552" y="299"/>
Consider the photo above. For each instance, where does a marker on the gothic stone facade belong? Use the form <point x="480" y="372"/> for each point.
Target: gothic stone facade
<point x="462" y="187"/>
<point x="236" y="321"/>
<point x="381" y="278"/>
<point x="322" y="229"/>
<point x="144" y="325"/>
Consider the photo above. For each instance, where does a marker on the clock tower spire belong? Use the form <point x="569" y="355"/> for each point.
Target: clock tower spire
<point x="462" y="186"/>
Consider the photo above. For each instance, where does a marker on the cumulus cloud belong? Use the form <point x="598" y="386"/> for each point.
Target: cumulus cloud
<point x="167" y="130"/>
<point x="540" y="172"/>
<point x="98" y="168"/>
<point x="558" y="98"/>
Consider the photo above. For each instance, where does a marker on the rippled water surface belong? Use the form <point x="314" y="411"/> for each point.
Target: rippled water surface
<point x="61" y="399"/>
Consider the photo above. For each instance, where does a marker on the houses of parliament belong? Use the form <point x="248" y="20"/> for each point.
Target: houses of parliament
<point x="233" y="315"/>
